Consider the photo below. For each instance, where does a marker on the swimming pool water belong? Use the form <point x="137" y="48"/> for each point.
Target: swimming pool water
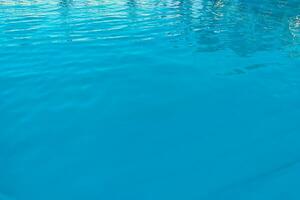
<point x="149" y="99"/>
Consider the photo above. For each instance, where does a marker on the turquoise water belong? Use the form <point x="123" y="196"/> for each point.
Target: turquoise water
<point x="149" y="99"/>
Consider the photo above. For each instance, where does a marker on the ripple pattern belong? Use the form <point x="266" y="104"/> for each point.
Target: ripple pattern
<point x="149" y="99"/>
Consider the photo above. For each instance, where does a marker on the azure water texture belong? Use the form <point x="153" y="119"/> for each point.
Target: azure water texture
<point x="149" y="99"/>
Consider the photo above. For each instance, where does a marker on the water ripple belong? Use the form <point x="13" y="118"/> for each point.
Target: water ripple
<point x="94" y="87"/>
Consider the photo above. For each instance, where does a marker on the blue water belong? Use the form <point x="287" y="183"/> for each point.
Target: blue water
<point x="149" y="99"/>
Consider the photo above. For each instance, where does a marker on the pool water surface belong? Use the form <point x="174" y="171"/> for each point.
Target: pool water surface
<point x="149" y="99"/>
